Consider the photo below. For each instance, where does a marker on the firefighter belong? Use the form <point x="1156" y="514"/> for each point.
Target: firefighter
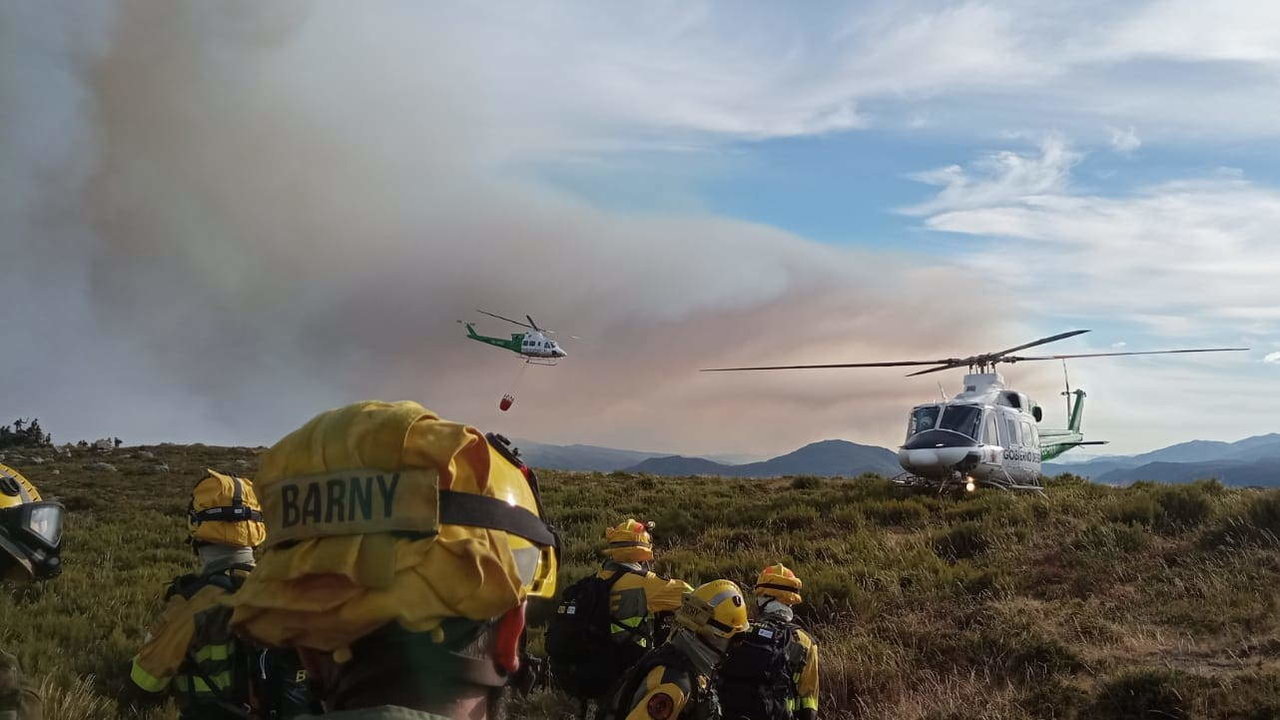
<point x="675" y="680"/>
<point x="607" y="621"/>
<point x="771" y="672"/>
<point x="402" y="551"/>
<point x="190" y="653"/>
<point x="30" y="550"/>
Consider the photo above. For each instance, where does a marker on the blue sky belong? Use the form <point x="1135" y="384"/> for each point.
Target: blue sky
<point x="327" y="188"/>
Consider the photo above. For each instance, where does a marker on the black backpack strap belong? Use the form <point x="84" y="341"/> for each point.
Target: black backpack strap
<point x="461" y="508"/>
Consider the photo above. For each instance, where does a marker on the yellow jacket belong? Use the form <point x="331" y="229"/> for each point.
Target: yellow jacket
<point x="194" y="625"/>
<point x="636" y="597"/>
<point x="806" y="702"/>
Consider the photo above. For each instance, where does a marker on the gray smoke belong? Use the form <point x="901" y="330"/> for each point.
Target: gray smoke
<point x="223" y="218"/>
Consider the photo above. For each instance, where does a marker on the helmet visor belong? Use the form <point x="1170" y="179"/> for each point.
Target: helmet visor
<point x="44" y="523"/>
<point x="37" y="525"/>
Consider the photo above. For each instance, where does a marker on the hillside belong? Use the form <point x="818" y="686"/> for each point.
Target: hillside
<point x="1252" y="461"/>
<point x="1092" y="602"/>
<point x="829" y="458"/>
<point x="579" y="457"/>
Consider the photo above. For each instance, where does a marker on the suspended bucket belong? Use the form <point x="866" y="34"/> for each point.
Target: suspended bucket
<point x="506" y="402"/>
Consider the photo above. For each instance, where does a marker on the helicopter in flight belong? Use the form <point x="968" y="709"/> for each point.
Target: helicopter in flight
<point x="535" y="346"/>
<point x="988" y="434"/>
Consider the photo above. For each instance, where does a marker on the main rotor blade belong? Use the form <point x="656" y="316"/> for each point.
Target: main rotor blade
<point x="1041" y="341"/>
<point x="831" y="365"/>
<point x="513" y="322"/>
<point x="533" y="324"/>
<point x="1020" y="358"/>
<point x="940" y="368"/>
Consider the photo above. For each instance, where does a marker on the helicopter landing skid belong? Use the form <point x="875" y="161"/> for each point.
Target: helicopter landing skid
<point x="538" y="361"/>
<point x="958" y="485"/>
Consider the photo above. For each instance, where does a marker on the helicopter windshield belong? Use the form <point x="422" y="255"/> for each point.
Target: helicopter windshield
<point x="963" y="419"/>
<point x="923" y="418"/>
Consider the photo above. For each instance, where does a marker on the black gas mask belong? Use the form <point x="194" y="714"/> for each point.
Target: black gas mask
<point x="31" y="539"/>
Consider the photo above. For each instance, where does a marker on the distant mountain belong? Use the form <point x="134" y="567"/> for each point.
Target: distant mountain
<point x="676" y="465"/>
<point x="828" y="458"/>
<point x="1252" y="461"/>
<point x="1264" y="472"/>
<point x="579" y="457"/>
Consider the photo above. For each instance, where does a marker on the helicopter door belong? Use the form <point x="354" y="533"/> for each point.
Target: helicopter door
<point x="1011" y="432"/>
<point x="990" y="436"/>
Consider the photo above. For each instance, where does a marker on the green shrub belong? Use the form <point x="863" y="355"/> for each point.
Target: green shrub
<point x="1138" y="509"/>
<point x="1143" y="694"/>
<point x="1109" y="538"/>
<point x="963" y="541"/>
<point x="902" y="513"/>
<point x="1263" y="513"/>
<point x="1184" y="506"/>
<point x="806" y="482"/>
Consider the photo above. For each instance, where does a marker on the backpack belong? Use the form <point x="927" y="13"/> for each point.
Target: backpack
<point x="272" y="680"/>
<point x="585" y="659"/>
<point x="756" y="678"/>
<point x="212" y="628"/>
<point x="700" y="705"/>
<point x="280" y="687"/>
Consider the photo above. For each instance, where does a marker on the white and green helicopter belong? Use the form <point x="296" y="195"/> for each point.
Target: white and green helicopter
<point x="536" y="346"/>
<point x="988" y="434"/>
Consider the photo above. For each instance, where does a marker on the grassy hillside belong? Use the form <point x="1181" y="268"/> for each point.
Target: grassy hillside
<point x="1093" y="602"/>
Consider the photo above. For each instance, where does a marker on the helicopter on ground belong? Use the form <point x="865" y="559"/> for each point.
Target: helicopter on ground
<point x="988" y="434"/>
<point x="534" y="346"/>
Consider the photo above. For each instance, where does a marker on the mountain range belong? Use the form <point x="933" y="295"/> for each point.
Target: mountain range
<point x="1252" y="461"/>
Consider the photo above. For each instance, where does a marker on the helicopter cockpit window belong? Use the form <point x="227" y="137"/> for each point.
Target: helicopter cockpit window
<point x="964" y="419"/>
<point x="923" y="418"/>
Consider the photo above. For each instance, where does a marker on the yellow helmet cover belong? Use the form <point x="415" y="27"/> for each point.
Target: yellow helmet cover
<point x="382" y="512"/>
<point x="628" y="542"/>
<point x="15" y="489"/>
<point x="714" y="610"/>
<point x="778" y="581"/>
<point x="225" y="511"/>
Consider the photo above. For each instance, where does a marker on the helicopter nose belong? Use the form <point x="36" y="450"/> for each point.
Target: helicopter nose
<point x="935" y="451"/>
<point x="559" y="352"/>
<point x="927" y="461"/>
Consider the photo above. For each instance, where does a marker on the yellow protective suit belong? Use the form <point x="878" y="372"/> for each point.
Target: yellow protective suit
<point x="194" y="625"/>
<point x="635" y="598"/>
<point x="805" y="704"/>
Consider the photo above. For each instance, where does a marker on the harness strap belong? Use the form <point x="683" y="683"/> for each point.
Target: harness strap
<point x="776" y="586"/>
<point x="459" y="508"/>
<point x="229" y="513"/>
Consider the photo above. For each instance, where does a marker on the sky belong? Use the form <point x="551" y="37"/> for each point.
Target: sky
<point x="223" y="218"/>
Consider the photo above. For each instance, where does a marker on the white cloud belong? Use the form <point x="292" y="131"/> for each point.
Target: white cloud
<point x="1272" y="358"/>
<point x="1125" y="141"/>
<point x="999" y="178"/>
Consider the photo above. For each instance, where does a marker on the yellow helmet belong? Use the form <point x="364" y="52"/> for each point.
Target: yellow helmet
<point x="777" y="581"/>
<point x="715" y="611"/>
<point x="629" y="542"/>
<point x="224" y="510"/>
<point x="384" y="512"/>
<point x="30" y="530"/>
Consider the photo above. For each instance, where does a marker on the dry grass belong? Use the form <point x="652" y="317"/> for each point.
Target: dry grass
<point x="1090" y="603"/>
